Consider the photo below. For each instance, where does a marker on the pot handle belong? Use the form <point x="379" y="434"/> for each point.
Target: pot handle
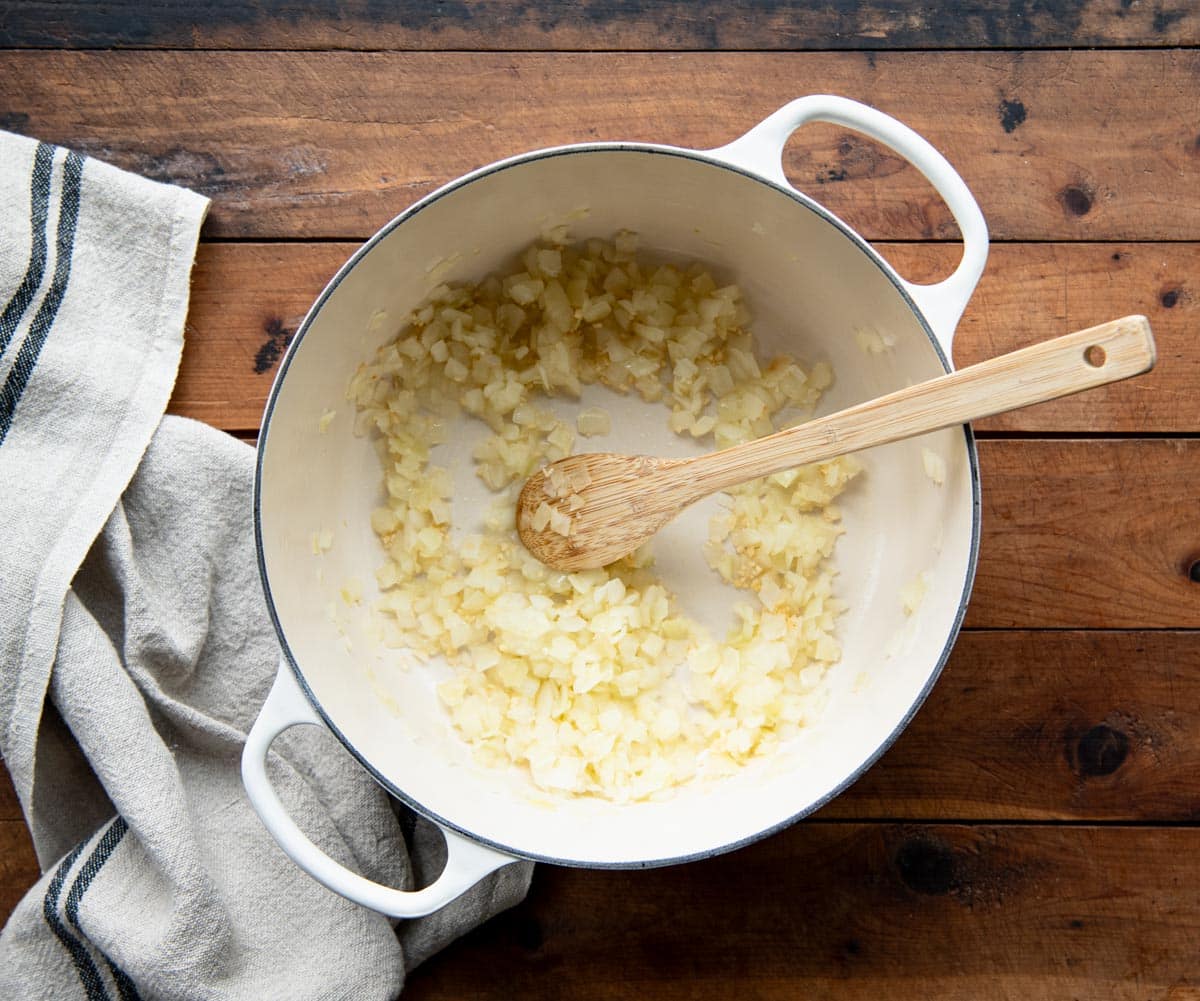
<point x="761" y="150"/>
<point x="466" y="861"/>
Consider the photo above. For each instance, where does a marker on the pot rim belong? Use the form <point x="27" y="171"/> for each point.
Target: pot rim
<point x="521" y="160"/>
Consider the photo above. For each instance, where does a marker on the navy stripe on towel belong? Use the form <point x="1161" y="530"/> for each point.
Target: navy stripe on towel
<point x="83" y="879"/>
<point x="39" y="207"/>
<point x="89" y="975"/>
<point x="68" y="217"/>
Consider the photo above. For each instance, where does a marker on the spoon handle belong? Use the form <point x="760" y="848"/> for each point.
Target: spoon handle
<point x="1083" y="360"/>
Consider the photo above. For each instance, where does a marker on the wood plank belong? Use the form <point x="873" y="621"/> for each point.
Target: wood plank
<point x="1022" y="725"/>
<point x="1032" y="292"/>
<point x="1048" y="725"/>
<point x="1089" y="534"/>
<point x="861" y="909"/>
<point x="594" y="24"/>
<point x="18" y="864"/>
<point x="855" y="911"/>
<point x="1034" y="725"/>
<point x="248" y="299"/>
<point x="1057" y="145"/>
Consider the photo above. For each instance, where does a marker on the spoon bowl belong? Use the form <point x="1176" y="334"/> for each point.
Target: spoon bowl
<point x="610" y="501"/>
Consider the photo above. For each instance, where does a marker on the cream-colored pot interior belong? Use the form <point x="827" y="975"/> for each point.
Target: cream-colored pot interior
<point x="810" y="285"/>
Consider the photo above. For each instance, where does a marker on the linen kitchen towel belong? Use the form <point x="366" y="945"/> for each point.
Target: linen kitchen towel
<point x="135" y="647"/>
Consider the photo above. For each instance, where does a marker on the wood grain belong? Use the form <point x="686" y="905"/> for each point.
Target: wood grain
<point x="1030" y="724"/>
<point x="863" y="910"/>
<point x="1031" y="292"/>
<point x="855" y="911"/>
<point x="1056" y="145"/>
<point x="248" y="299"/>
<point x="1048" y="725"/>
<point x="246" y="302"/>
<point x="1078" y="726"/>
<point x="595" y="24"/>
<point x="1088" y="534"/>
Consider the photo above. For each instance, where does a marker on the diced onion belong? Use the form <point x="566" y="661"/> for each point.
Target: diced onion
<point x="934" y="466"/>
<point x="593" y="421"/>
<point x="596" y="682"/>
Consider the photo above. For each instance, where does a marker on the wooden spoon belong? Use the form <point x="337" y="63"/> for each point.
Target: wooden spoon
<point x="616" y="502"/>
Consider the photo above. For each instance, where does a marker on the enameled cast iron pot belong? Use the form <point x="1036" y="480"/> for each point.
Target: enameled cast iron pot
<point x="811" y="283"/>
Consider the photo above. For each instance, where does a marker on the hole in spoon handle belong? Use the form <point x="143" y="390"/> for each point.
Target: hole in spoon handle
<point x="1125" y="346"/>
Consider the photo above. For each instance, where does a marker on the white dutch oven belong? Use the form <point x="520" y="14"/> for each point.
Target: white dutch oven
<point x="811" y="282"/>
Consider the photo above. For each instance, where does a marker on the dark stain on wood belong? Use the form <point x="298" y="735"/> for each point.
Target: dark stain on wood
<point x="1012" y="114"/>
<point x="272" y="349"/>
<point x="528" y="933"/>
<point x="199" y="170"/>
<point x="858" y="159"/>
<point x="13" y="121"/>
<point x="426" y="16"/>
<point x="595" y="24"/>
<point x="119" y="24"/>
<point x="1076" y="924"/>
<point x="1116" y="256"/>
<point x="1098" y="751"/>
<point x="927" y="865"/>
<point x="1163" y="19"/>
<point x="1169" y="298"/>
<point x="971" y="866"/>
<point x="1077" y="199"/>
<point x="1193" y="571"/>
<point x="831" y="175"/>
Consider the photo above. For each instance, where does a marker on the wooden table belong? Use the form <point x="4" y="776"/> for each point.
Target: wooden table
<point x="1033" y="833"/>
